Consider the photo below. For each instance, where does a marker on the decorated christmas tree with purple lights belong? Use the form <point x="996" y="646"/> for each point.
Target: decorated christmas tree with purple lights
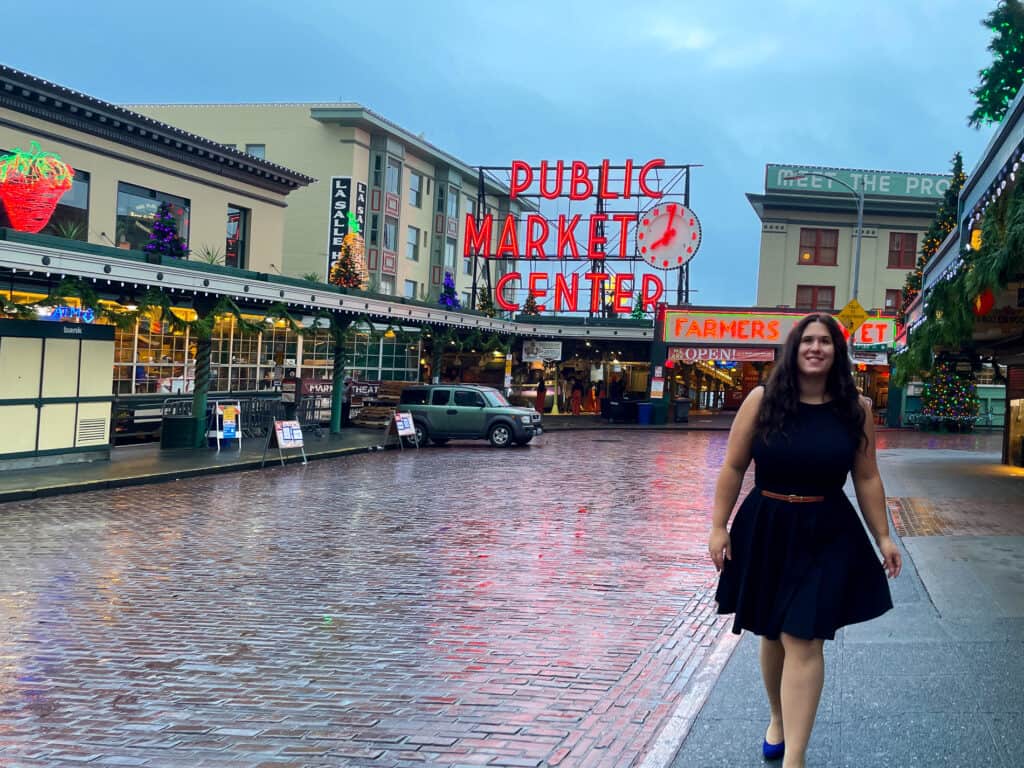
<point x="449" y="298"/>
<point x="164" y="240"/>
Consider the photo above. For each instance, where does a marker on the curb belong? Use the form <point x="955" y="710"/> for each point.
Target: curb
<point x="674" y="733"/>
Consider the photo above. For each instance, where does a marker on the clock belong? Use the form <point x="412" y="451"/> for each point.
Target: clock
<point x="668" y="235"/>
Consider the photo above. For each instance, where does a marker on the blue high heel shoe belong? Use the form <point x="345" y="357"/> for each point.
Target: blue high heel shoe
<point x="773" y="751"/>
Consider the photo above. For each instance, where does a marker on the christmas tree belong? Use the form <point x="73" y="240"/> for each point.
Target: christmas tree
<point x="948" y="400"/>
<point x="485" y="302"/>
<point x="638" y="308"/>
<point x="349" y="271"/>
<point x="941" y="226"/>
<point x="449" y="298"/>
<point x="530" y="308"/>
<point x="164" y="240"/>
<point x="1000" y="81"/>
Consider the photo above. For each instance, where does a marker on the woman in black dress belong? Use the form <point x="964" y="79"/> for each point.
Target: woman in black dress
<point x="797" y="564"/>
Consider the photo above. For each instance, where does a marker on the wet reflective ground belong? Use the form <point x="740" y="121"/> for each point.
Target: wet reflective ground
<point x="456" y="606"/>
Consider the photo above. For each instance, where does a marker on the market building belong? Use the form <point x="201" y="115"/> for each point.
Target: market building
<point x="809" y="246"/>
<point x="410" y="197"/>
<point x="983" y="244"/>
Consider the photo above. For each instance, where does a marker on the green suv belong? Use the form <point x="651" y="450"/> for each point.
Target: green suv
<point x="441" y="412"/>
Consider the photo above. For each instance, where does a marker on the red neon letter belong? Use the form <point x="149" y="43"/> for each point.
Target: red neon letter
<point x="595" y="239"/>
<point x="623" y="293"/>
<point x="596" y="279"/>
<point x="563" y="291"/>
<point x="499" y="292"/>
<point x="538" y="293"/>
<point x="516" y="186"/>
<point x="602" y="191"/>
<point x="567" y="235"/>
<point x="478" y="240"/>
<point x="650" y="293"/>
<point x="509" y="240"/>
<point x="556" y="191"/>
<point x="580" y="178"/>
<point x="624" y="220"/>
<point x="648" y="167"/>
<point x="536" y="243"/>
<point x="627" y="187"/>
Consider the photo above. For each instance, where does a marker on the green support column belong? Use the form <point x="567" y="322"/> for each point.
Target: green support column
<point x="204" y="345"/>
<point x="338" y="372"/>
<point x="659" y="353"/>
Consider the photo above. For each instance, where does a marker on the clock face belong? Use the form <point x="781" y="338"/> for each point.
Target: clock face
<point x="668" y="235"/>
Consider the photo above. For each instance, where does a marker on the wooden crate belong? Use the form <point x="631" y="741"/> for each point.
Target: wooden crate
<point x="374" y="416"/>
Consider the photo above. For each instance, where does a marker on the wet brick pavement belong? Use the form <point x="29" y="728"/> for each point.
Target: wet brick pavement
<point x="457" y="606"/>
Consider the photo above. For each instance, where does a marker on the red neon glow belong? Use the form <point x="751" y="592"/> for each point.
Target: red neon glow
<point x="624" y="219"/>
<point x="535" y="243"/>
<point x="580" y="185"/>
<point x="555" y="192"/>
<point x="508" y="242"/>
<point x="595" y="240"/>
<point x="603" y="192"/>
<point x="478" y="241"/>
<point x="520" y="169"/>
<point x="567" y="236"/>
<point x="566" y="293"/>
<point x="649" y="166"/>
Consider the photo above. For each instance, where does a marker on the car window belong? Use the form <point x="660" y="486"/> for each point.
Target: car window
<point x="414" y="396"/>
<point x="494" y="397"/>
<point x="467" y="397"/>
<point x="440" y="397"/>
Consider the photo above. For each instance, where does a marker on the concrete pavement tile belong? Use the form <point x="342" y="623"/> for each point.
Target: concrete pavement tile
<point x="882" y="659"/>
<point x="985" y="630"/>
<point x="877" y="696"/>
<point x="736" y="742"/>
<point x="1008" y="733"/>
<point x="996" y="694"/>
<point x="933" y="740"/>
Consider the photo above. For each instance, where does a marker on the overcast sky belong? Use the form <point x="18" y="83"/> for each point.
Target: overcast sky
<point x="880" y="84"/>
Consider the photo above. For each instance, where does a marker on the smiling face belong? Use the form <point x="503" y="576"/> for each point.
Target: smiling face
<point x="816" y="352"/>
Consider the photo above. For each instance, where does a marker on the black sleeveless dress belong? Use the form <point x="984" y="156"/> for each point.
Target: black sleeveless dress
<point x="805" y="569"/>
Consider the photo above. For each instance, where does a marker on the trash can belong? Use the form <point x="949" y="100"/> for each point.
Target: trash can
<point x="681" y="410"/>
<point x="643" y="412"/>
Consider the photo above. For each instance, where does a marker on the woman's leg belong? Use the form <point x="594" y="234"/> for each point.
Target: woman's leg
<point x="772" y="656"/>
<point x="803" y="675"/>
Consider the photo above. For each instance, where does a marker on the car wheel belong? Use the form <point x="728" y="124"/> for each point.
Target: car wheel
<point x="439" y="440"/>
<point x="500" y="436"/>
<point x="421" y="435"/>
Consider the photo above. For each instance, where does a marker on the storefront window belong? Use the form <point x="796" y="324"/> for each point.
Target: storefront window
<point x="136" y="212"/>
<point x="236" y="247"/>
<point x="317" y="354"/>
<point x="70" y="218"/>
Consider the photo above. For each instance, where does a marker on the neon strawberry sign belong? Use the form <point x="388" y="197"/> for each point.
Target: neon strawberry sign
<point x="31" y="184"/>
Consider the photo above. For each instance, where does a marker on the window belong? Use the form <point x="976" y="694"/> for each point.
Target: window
<point x="893" y="297"/>
<point x="70" y="218"/>
<point x="449" y="255"/>
<point x="256" y="150"/>
<point x="377" y="174"/>
<point x="136" y="212"/>
<point x="453" y="202"/>
<point x="416" y="189"/>
<point x="468" y="398"/>
<point x="471" y="206"/>
<point x="440" y="199"/>
<point x="374" y="228"/>
<point x="815" y="297"/>
<point x="467" y="266"/>
<point x="394" y="176"/>
<point x="410" y="289"/>
<point x="390" y="234"/>
<point x="387" y="285"/>
<point x="440" y="397"/>
<point x="412" y="244"/>
<point x="818" y="246"/>
<point x="902" y="250"/>
<point x="466" y="300"/>
<point x="236" y="246"/>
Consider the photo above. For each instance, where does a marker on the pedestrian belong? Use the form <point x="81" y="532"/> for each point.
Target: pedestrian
<point x="346" y="401"/>
<point x="542" y="395"/>
<point x="797" y="565"/>
<point x="577" y="397"/>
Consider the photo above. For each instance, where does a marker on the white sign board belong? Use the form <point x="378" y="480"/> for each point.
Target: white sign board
<point x="534" y="350"/>
<point x="404" y="425"/>
<point x="289" y="434"/>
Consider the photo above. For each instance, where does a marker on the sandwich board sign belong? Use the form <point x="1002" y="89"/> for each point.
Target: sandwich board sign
<point x="285" y="435"/>
<point x="403" y="426"/>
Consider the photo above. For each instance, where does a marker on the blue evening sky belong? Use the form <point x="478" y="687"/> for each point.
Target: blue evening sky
<point x="881" y="84"/>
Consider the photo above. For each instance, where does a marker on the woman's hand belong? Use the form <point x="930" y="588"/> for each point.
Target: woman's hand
<point x="720" y="547"/>
<point x="892" y="560"/>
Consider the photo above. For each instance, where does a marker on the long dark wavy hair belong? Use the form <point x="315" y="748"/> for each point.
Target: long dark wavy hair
<point x="780" y="404"/>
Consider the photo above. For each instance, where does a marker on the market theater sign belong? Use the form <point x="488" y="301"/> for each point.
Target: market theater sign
<point x="724" y="328"/>
<point x="561" y="239"/>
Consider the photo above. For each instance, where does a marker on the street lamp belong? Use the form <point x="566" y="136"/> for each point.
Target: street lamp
<point x="859" y="195"/>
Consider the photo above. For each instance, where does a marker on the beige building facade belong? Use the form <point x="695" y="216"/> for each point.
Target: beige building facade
<point x="809" y="235"/>
<point x="410" y="197"/>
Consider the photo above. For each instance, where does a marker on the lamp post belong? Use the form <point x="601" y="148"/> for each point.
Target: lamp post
<point x="859" y="195"/>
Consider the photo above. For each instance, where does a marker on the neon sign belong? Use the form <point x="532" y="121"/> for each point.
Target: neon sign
<point x="759" y="328"/>
<point x="565" y="293"/>
<point x="62" y="313"/>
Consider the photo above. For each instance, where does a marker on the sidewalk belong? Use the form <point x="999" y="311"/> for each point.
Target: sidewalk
<point x="699" y="420"/>
<point x="934" y="682"/>
<point x="142" y="464"/>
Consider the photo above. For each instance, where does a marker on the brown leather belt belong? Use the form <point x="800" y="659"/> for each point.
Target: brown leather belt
<point x="792" y="498"/>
